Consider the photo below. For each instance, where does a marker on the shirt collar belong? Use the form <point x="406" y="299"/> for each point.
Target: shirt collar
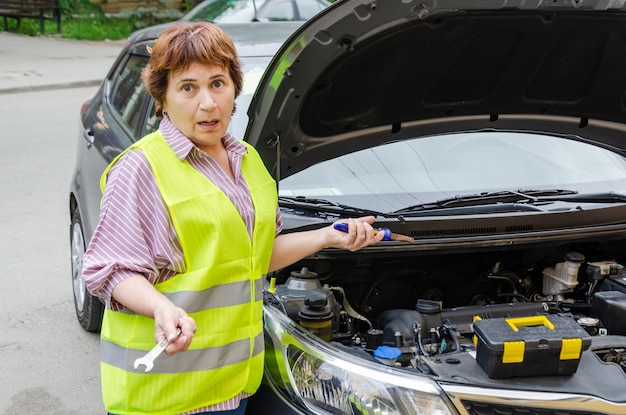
<point x="183" y="146"/>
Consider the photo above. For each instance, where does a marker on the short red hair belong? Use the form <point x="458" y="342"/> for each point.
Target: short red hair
<point x="185" y="43"/>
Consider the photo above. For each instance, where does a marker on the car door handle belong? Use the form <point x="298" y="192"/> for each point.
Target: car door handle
<point x="88" y="135"/>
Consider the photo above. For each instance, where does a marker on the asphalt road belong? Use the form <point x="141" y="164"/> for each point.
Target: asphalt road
<point x="48" y="363"/>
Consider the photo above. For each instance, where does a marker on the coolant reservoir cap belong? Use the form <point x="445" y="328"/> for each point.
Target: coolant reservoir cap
<point x="387" y="352"/>
<point x="575" y="257"/>
<point x="315" y="307"/>
<point x="316" y="301"/>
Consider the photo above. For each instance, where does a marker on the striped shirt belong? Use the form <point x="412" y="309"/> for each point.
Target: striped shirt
<point x="135" y="234"/>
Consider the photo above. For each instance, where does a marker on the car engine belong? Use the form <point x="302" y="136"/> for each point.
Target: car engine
<point x="423" y="305"/>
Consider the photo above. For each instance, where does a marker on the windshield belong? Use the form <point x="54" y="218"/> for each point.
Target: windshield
<point x="396" y="175"/>
<point x="252" y="68"/>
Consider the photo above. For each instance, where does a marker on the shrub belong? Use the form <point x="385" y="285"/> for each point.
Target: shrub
<point x="150" y="15"/>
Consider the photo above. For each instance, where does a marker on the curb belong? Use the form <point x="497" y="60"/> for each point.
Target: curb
<point x="49" y="87"/>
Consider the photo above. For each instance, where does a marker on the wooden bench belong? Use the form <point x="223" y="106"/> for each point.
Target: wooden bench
<point x="31" y="9"/>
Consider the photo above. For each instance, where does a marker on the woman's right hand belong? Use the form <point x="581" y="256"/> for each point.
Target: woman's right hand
<point x="139" y="295"/>
<point x="167" y="319"/>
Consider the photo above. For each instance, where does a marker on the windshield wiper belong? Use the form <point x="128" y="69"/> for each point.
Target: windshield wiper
<point x="488" y="198"/>
<point x="506" y="200"/>
<point x="326" y="206"/>
<point x="603" y="197"/>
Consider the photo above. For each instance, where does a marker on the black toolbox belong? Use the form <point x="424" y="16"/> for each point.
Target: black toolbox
<point x="529" y="346"/>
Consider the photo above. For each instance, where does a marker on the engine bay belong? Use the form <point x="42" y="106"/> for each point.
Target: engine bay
<point x="422" y="306"/>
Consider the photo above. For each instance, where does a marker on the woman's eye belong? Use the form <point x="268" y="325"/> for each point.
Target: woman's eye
<point x="218" y="84"/>
<point x="187" y="88"/>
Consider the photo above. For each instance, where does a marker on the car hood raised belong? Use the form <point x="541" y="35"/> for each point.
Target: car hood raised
<point x="364" y="73"/>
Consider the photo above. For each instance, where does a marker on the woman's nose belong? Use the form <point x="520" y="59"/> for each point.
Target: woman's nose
<point x="206" y="101"/>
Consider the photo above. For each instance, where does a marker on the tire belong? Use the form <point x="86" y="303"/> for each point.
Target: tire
<point x="89" y="309"/>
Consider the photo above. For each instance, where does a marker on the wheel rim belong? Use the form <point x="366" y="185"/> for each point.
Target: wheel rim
<point x="78" y="251"/>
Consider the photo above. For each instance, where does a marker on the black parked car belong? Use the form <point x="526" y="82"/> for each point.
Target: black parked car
<point x="491" y="136"/>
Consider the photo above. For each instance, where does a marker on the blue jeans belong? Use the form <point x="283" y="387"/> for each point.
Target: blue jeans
<point x="239" y="411"/>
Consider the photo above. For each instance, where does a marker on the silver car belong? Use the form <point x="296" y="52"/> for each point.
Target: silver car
<point x="242" y="11"/>
<point x="493" y="135"/>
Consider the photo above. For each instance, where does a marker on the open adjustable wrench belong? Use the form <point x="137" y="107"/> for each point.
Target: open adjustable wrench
<point x="148" y="359"/>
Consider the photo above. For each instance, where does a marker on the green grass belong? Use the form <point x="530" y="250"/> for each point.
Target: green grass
<point x="97" y="26"/>
<point x="80" y="28"/>
<point x="84" y="20"/>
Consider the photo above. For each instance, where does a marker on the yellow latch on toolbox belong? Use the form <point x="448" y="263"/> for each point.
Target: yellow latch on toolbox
<point x="571" y="349"/>
<point x="529" y="322"/>
<point x="475" y="338"/>
<point x="513" y="352"/>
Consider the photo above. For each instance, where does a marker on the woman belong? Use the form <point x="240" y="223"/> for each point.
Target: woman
<point x="189" y="224"/>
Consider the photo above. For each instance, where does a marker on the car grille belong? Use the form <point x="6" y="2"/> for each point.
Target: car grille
<point x="472" y="400"/>
<point x="480" y="408"/>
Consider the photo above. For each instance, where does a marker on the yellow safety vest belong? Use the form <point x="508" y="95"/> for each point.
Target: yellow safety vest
<point x="222" y="290"/>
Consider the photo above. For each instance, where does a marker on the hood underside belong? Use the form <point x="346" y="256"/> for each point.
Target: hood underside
<point x="365" y="73"/>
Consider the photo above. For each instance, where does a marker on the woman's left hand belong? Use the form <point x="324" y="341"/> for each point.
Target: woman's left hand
<point x="292" y="247"/>
<point x="360" y="234"/>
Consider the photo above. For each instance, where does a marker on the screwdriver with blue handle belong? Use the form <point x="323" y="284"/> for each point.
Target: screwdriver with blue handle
<point x="389" y="236"/>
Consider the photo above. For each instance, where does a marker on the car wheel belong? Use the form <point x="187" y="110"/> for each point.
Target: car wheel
<point x="89" y="309"/>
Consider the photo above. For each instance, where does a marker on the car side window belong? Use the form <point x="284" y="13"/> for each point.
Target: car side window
<point x="153" y="121"/>
<point x="128" y="92"/>
<point x="280" y="11"/>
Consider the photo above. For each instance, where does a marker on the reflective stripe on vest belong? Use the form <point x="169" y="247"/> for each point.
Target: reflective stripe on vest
<point x="215" y="297"/>
<point x="202" y="359"/>
<point x="226" y="354"/>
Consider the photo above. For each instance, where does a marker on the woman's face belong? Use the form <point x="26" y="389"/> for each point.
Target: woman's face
<point x="199" y="101"/>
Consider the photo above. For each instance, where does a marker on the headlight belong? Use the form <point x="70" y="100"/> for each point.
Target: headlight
<point x="340" y="389"/>
<point x="328" y="381"/>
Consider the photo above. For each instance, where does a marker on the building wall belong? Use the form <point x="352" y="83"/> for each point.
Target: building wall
<point x="115" y="6"/>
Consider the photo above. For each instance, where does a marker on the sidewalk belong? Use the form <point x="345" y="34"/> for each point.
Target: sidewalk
<point x="41" y="63"/>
